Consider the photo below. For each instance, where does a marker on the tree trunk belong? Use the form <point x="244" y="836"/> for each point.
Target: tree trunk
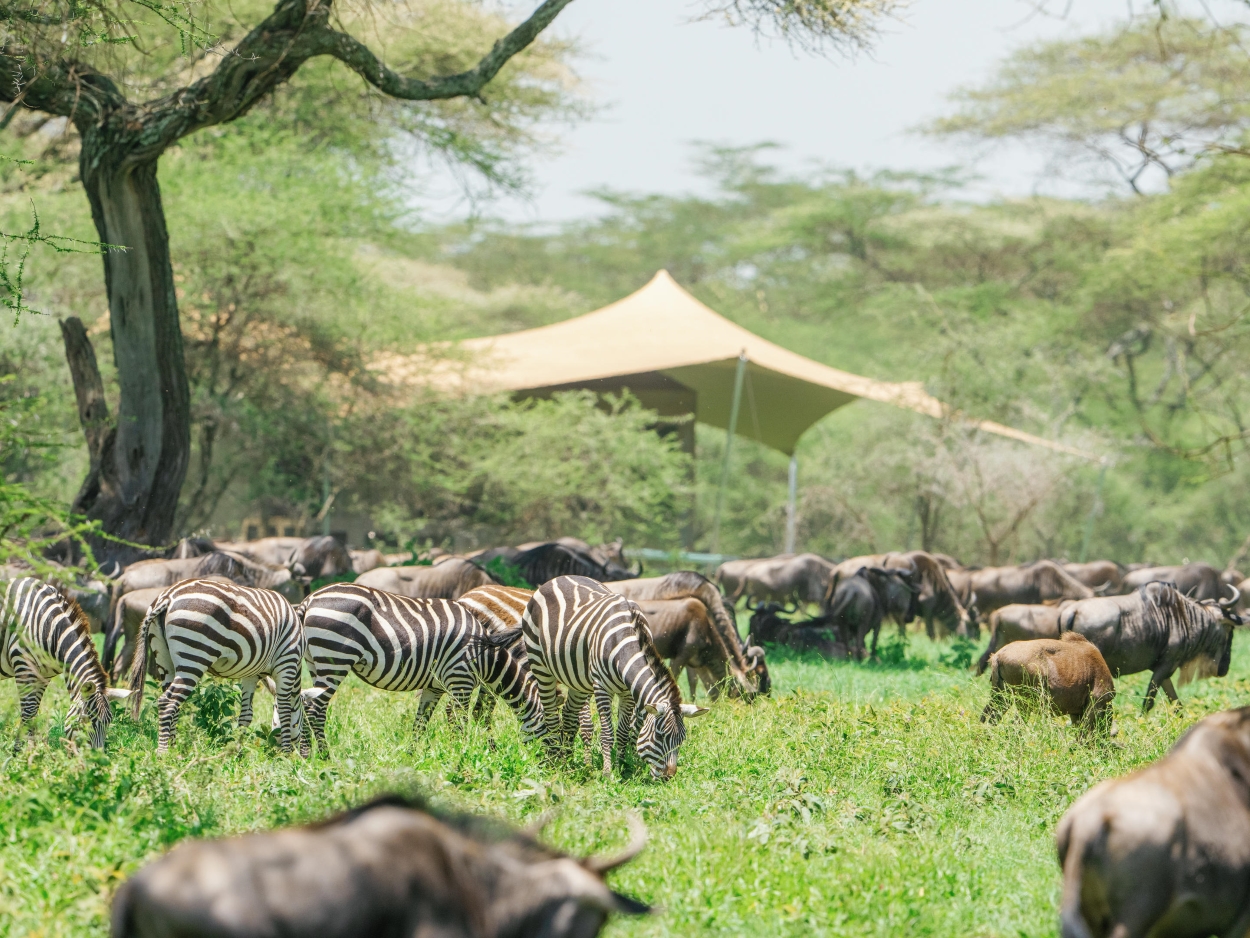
<point x="141" y="474"/>
<point x="93" y="409"/>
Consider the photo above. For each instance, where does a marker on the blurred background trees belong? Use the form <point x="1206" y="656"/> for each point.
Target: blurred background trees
<point x="1116" y="325"/>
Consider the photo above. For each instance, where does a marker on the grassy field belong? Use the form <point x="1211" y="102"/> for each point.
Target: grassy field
<point x="857" y="800"/>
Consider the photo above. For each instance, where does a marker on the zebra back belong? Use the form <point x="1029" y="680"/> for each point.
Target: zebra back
<point x="46" y="628"/>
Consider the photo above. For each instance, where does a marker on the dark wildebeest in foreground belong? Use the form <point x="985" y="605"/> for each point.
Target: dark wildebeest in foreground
<point x="1099" y="575"/>
<point x="1020" y="622"/>
<point x="1069" y="674"/>
<point x="1198" y="581"/>
<point x="448" y="580"/>
<point x="1164" y="852"/>
<point x="1043" y="581"/>
<point x="856" y="605"/>
<point x="797" y="578"/>
<point x="385" y="869"/>
<point x="746" y="665"/>
<point x="1156" y="629"/>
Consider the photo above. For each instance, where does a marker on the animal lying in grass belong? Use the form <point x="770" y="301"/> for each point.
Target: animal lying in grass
<point x="1164" y="852"/>
<point x="386" y="868"/>
<point x="1070" y="674"/>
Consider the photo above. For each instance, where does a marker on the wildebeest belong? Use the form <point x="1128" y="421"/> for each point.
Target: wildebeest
<point x="159" y="574"/>
<point x="746" y="665"/>
<point x="387" y="868"/>
<point x="319" y="557"/>
<point x="799" y="578"/>
<point x="1032" y="583"/>
<point x="276" y="551"/>
<point x="448" y="580"/>
<point x="611" y="556"/>
<point x="686" y="636"/>
<point x="365" y="560"/>
<point x="1101" y="575"/>
<point x="1156" y="629"/>
<point x="938" y="602"/>
<point x="1069" y="674"/>
<point x="818" y="635"/>
<point x="191" y="547"/>
<point x="1196" y="580"/>
<point x="1165" y="851"/>
<point x="1020" y="622"/>
<point x="856" y="605"/>
<point x="544" y="562"/>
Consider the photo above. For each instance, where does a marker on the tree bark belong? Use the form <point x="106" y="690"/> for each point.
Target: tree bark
<point x="93" y="409"/>
<point x="141" y="474"/>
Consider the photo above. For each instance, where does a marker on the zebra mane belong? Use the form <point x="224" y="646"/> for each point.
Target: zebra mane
<point x="82" y="626"/>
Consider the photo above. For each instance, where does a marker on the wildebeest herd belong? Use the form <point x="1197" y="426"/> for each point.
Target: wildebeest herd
<point x="1161" y="852"/>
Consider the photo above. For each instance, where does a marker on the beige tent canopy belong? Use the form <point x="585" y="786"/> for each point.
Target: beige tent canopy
<point x="678" y="357"/>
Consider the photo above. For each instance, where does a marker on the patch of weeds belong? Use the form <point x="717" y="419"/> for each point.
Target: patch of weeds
<point x="960" y="655"/>
<point x="214" y="705"/>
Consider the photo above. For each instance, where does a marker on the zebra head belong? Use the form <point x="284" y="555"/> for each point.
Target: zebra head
<point x="91" y="699"/>
<point x="661" y="735"/>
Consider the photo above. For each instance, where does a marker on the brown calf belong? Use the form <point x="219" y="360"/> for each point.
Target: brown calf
<point x="1070" y="673"/>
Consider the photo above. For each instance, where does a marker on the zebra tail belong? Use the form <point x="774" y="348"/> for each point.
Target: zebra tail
<point x="302" y="609"/>
<point x="139" y="667"/>
<point x="503" y="639"/>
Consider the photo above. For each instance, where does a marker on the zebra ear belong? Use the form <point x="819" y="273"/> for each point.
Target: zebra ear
<point x="690" y="710"/>
<point x="650" y="708"/>
<point x="116" y="693"/>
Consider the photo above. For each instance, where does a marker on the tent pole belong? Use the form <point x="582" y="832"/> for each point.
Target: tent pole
<point x="791" y="506"/>
<point x="739" y="374"/>
<point x="1094" y="510"/>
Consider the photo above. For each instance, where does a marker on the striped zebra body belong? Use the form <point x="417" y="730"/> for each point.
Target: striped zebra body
<point x="213" y="626"/>
<point x="597" y="644"/>
<point x="394" y="643"/>
<point x="499" y="609"/>
<point x="42" y="634"/>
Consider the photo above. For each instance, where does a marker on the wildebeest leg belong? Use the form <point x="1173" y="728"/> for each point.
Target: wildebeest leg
<point x="603" y="703"/>
<point x="997" y="706"/>
<point x="1160" y="678"/>
<point x="693" y="679"/>
<point x="1170" y="689"/>
<point x="876" y="634"/>
<point x="430" y="696"/>
<point x="247" y="689"/>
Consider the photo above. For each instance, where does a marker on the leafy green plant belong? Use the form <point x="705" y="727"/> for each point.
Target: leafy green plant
<point x="506" y="573"/>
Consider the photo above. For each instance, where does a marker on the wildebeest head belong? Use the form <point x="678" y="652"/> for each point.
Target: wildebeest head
<point x="756" y="665"/>
<point x="767" y="622"/>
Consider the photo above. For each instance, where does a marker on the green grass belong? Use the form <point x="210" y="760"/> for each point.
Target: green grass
<point x="857" y="800"/>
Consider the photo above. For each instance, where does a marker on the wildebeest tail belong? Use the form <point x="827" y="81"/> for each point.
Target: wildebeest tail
<point x="984" y="660"/>
<point x="139" y="667"/>
<point x="122" y="924"/>
<point x="1073" y="849"/>
<point x="996" y="679"/>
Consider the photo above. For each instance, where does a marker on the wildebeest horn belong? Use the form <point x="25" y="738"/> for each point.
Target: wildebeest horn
<point x="1231" y="602"/>
<point x="637" y="840"/>
<point x="1102" y="590"/>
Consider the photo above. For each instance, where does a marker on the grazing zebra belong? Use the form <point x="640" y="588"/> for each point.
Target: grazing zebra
<point x="395" y="643"/>
<point x="44" y="633"/>
<point x="595" y="642"/>
<point x="217" y="627"/>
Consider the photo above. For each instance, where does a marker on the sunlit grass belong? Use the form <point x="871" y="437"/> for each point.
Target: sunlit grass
<point x="857" y="800"/>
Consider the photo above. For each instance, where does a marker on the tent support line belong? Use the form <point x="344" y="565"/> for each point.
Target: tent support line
<point x="739" y="375"/>
<point x="791" y="504"/>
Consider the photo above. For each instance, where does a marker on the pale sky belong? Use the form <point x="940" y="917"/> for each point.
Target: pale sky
<point x="663" y="82"/>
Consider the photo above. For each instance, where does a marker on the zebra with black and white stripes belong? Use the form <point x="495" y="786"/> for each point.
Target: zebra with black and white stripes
<point x="213" y="626"/>
<point x="44" y="633"/>
<point x="598" y="644"/>
<point x="395" y="643"/>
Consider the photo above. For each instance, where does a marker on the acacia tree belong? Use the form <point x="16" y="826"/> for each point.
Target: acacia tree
<point x="55" y="58"/>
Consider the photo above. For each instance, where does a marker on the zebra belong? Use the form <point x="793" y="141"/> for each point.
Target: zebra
<point x="43" y="633"/>
<point x="498" y="608"/>
<point x="396" y="643"/>
<point x="217" y="627"/>
<point x="596" y="643"/>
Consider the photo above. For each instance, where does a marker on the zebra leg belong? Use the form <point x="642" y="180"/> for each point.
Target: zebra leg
<point x="430" y="697"/>
<point x="549" y="694"/>
<point x="170" y="702"/>
<point x="626" y="731"/>
<point x="31" y="687"/>
<point x="603" y="703"/>
<point x="247" y="688"/>
<point x="316" y="709"/>
<point x="285" y="702"/>
<point x="586" y="729"/>
<point x="570" y="717"/>
<point x="461" y="693"/>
